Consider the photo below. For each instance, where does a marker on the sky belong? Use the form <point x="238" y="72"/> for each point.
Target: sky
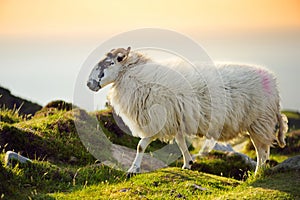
<point x="74" y="17"/>
<point x="43" y="43"/>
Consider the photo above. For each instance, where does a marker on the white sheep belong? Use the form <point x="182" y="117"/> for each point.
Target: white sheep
<point x="171" y="100"/>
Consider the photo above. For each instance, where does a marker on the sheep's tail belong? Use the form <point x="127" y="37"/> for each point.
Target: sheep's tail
<point x="283" y="128"/>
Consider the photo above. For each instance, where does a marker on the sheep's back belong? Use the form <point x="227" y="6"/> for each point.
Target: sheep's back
<point x="157" y="100"/>
<point x="251" y="92"/>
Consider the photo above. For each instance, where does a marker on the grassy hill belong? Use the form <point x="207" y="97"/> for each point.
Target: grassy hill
<point x="23" y="106"/>
<point x="62" y="168"/>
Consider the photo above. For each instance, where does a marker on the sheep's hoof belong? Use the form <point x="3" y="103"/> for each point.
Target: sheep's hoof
<point x="133" y="171"/>
<point x="130" y="174"/>
<point x="188" y="166"/>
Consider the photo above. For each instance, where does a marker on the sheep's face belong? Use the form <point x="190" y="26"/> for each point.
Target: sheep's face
<point x="107" y="70"/>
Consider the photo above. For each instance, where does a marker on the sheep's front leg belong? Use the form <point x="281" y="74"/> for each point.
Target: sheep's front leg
<point x="141" y="147"/>
<point x="187" y="158"/>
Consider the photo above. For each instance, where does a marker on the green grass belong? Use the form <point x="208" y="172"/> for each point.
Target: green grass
<point x="166" y="183"/>
<point x="43" y="180"/>
<point x="171" y="183"/>
<point x="38" y="179"/>
<point x="10" y="116"/>
<point x="50" y="139"/>
<point x="274" y="186"/>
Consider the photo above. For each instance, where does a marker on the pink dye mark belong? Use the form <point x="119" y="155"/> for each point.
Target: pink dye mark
<point x="265" y="80"/>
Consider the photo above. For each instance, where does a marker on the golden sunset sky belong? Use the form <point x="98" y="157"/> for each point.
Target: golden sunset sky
<point x="42" y="39"/>
<point x="73" y="17"/>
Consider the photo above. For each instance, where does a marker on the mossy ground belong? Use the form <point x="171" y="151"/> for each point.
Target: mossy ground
<point x="62" y="168"/>
<point x="42" y="180"/>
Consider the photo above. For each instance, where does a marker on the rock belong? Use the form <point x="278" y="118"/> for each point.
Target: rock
<point x="124" y="190"/>
<point x="211" y="144"/>
<point x="227" y="149"/>
<point x="225" y="163"/>
<point x="230" y="152"/>
<point x="247" y="159"/>
<point x="125" y="156"/>
<point x="289" y="164"/>
<point x="223" y="147"/>
<point x="10" y="155"/>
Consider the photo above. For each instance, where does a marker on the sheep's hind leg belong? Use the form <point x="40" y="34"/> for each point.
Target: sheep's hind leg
<point x="208" y="145"/>
<point x="187" y="158"/>
<point x="262" y="152"/>
<point x="141" y="147"/>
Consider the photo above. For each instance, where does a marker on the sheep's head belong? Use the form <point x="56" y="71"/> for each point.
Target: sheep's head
<point x="107" y="70"/>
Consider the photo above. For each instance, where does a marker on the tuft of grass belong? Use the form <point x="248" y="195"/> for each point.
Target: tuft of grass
<point x="272" y="186"/>
<point x="38" y="179"/>
<point x="52" y="137"/>
<point x="10" y="116"/>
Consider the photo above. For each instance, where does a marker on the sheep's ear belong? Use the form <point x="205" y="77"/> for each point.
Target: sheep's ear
<point x="128" y="50"/>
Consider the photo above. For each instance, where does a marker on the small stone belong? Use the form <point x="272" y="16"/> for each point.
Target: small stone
<point x="124" y="190"/>
<point x="198" y="187"/>
<point x="10" y="155"/>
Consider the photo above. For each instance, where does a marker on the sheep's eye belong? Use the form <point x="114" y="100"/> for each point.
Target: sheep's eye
<point x="112" y="63"/>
